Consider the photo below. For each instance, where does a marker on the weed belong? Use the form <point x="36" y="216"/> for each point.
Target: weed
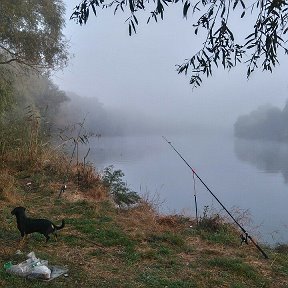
<point x="210" y="223"/>
<point x="214" y="229"/>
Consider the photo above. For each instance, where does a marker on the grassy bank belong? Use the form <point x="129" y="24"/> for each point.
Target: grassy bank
<point x="106" y="247"/>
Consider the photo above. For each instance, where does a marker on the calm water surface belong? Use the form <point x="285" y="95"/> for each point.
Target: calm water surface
<point x="247" y="176"/>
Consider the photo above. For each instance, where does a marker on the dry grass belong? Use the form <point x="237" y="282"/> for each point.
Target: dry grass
<point x="8" y="189"/>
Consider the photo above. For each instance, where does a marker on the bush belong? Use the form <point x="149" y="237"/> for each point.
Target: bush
<point x="120" y="192"/>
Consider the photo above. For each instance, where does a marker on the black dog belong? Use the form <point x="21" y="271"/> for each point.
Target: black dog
<point x="28" y="225"/>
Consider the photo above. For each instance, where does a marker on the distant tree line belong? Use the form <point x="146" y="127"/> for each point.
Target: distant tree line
<point x="266" y="123"/>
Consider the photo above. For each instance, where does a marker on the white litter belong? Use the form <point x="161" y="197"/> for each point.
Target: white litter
<point x="35" y="268"/>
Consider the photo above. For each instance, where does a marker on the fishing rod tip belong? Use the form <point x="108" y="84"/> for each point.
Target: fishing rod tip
<point x="166" y="139"/>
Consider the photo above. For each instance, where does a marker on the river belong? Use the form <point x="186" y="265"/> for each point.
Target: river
<point x="248" y="177"/>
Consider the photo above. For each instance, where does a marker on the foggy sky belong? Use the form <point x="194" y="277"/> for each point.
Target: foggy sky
<point x="138" y="73"/>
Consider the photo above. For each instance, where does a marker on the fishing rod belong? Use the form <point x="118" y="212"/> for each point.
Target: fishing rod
<point x="243" y="238"/>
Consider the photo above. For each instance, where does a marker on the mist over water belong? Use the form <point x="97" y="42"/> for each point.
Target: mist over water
<point x="107" y="121"/>
<point x="238" y="172"/>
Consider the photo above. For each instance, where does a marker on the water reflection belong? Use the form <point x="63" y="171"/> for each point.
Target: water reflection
<point x="120" y="150"/>
<point x="267" y="156"/>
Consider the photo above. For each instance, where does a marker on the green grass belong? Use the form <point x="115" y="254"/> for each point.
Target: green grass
<point x="233" y="267"/>
<point x="153" y="280"/>
<point x="167" y="237"/>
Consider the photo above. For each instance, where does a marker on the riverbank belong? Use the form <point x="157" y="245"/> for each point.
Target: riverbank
<point x="104" y="246"/>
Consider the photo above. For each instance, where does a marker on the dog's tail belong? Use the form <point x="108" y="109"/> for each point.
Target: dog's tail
<point x="61" y="226"/>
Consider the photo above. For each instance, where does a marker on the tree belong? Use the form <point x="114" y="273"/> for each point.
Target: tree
<point x="261" y="46"/>
<point x="6" y="90"/>
<point x="31" y="33"/>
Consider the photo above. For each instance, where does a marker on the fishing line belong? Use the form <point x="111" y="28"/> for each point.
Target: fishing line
<point x="246" y="236"/>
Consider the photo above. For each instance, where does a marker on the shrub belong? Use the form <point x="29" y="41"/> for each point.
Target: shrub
<point x="120" y="192"/>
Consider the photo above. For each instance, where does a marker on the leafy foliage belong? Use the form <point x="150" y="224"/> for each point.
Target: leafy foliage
<point x="260" y="47"/>
<point x="119" y="190"/>
<point x="31" y="33"/>
<point x="6" y="91"/>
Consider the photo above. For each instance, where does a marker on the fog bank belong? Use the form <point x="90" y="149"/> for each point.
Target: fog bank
<point x="108" y="121"/>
